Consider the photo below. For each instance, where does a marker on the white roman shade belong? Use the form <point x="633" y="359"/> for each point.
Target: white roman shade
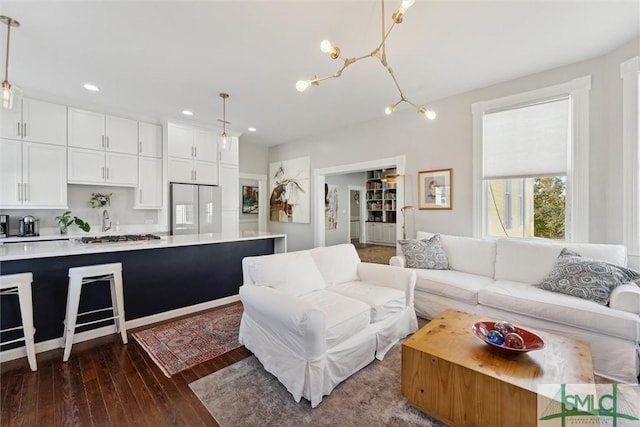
<point x="527" y="141"/>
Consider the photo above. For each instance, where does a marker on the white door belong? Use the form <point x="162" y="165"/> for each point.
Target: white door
<point x="44" y="173"/>
<point x="86" y="129"/>
<point x="85" y="166"/>
<point x="10" y="173"/>
<point x="180" y="170"/>
<point x="206" y="145"/>
<point x="149" y="194"/>
<point x="205" y="172"/>
<point x="180" y="139"/>
<point x="149" y="140"/>
<point x="122" y="135"/>
<point x="122" y="169"/>
<point x="44" y="122"/>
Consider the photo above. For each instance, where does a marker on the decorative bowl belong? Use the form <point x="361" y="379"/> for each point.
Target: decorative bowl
<point x="531" y="340"/>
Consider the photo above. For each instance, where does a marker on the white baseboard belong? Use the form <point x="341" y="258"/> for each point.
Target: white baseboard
<point x="17" y="353"/>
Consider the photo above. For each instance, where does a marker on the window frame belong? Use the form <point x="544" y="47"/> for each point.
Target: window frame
<point x="577" y="186"/>
<point x="630" y="75"/>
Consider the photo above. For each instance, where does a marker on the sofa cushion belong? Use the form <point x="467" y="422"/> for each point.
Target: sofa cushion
<point x="425" y="253"/>
<point x="530" y="260"/>
<point x="467" y="254"/>
<point x="451" y="284"/>
<point x="337" y="264"/>
<point x="526" y="299"/>
<point x="344" y="316"/>
<point x="384" y="302"/>
<point x="586" y="278"/>
<point x="292" y="272"/>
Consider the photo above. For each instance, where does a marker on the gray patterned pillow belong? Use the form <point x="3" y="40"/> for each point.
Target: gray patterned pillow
<point x="426" y="253"/>
<point x="586" y="278"/>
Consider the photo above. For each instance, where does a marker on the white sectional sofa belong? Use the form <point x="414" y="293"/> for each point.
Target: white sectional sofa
<point x="315" y="317"/>
<point x="494" y="279"/>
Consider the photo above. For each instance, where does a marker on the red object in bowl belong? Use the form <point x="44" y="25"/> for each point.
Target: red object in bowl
<point x="531" y="340"/>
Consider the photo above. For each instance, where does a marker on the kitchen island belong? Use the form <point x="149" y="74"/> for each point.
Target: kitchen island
<point x="162" y="278"/>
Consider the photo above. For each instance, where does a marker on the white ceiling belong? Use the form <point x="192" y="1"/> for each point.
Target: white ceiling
<point x="152" y="59"/>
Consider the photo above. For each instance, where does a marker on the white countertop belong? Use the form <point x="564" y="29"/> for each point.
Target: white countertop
<point x="38" y="249"/>
<point x="76" y="233"/>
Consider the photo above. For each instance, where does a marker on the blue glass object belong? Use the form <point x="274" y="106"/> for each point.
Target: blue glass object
<point x="495" y="337"/>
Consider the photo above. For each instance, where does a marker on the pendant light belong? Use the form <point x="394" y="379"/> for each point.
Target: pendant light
<point x="10" y="94"/>
<point x="225" y="142"/>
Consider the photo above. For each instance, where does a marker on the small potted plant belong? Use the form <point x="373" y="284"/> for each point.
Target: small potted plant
<point x="65" y="220"/>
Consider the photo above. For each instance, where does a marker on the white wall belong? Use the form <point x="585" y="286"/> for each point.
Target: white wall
<point x="341" y="233"/>
<point x="447" y="143"/>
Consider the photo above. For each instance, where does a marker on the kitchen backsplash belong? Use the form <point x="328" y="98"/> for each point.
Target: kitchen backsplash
<point x="121" y="209"/>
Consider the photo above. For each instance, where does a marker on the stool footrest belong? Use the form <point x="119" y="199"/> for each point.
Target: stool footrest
<point x="94" y="311"/>
<point x="12" y="341"/>
<point x="11" y="329"/>
<point x="96" y="321"/>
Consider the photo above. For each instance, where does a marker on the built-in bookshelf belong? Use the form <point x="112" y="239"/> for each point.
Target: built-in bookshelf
<point x="381" y="196"/>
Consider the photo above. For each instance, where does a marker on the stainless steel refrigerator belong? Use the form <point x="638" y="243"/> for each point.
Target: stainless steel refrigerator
<point x="195" y="208"/>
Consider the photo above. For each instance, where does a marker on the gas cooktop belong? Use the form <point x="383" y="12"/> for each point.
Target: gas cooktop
<point x="123" y="238"/>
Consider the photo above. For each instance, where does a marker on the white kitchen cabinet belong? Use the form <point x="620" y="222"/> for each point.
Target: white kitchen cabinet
<point x="180" y="141"/>
<point x="97" y="167"/>
<point x="230" y="197"/>
<point x="35" y="121"/>
<point x="229" y="156"/>
<point x="192" y="172"/>
<point x="33" y="175"/>
<point x="149" y="140"/>
<point x="97" y="131"/>
<point x="193" y="155"/>
<point x="205" y="173"/>
<point x="149" y="191"/>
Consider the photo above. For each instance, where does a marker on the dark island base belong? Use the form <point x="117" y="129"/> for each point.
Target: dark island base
<point x="155" y="281"/>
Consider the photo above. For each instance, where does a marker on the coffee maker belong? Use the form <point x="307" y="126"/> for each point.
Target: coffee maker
<point x="29" y="226"/>
<point x="4" y="226"/>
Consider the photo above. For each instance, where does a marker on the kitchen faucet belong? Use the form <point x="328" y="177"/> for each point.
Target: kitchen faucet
<point x="106" y="222"/>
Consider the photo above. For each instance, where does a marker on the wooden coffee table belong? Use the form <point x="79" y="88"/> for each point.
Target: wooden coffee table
<point x="452" y="375"/>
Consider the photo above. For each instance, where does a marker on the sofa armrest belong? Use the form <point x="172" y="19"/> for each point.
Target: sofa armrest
<point x="626" y="298"/>
<point x="398" y="261"/>
<point x="286" y="318"/>
<point x="390" y="276"/>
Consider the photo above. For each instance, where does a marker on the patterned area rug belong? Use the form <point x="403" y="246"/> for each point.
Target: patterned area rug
<point x="244" y="394"/>
<point x="185" y="343"/>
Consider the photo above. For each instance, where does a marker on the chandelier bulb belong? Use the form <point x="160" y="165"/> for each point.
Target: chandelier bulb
<point x="430" y="114"/>
<point x="390" y="109"/>
<point x="406" y="4"/>
<point x="302" y="85"/>
<point x="325" y="46"/>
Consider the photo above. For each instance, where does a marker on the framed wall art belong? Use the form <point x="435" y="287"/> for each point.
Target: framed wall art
<point x="250" y="200"/>
<point x="435" y="189"/>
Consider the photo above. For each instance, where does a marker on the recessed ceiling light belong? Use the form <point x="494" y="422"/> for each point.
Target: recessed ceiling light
<point x="91" y="87"/>
<point x="251" y="129"/>
<point x="187" y="112"/>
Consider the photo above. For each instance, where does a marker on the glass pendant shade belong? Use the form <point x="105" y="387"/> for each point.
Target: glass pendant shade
<point x="11" y="96"/>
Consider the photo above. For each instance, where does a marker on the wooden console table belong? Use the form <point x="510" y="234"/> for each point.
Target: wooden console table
<point x="450" y="374"/>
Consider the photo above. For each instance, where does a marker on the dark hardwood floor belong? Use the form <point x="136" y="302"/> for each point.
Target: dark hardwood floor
<point x="104" y="383"/>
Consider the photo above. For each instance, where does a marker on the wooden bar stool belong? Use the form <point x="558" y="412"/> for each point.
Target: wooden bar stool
<point x="80" y="276"/>
<point x="20" y="285"/>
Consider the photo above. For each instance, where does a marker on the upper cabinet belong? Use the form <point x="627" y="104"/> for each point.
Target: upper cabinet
<point x="35" y="121"/>
<point x="193" y="155"/>
<point x="149" y="140"/>
<point x="97" y="131"/>
<point x="192" y="143"/>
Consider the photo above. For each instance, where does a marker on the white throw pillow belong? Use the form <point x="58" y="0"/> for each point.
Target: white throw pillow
<point x="294" y="273"/>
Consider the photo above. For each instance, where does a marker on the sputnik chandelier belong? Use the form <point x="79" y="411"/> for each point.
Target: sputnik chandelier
<point x="379" y="53"/>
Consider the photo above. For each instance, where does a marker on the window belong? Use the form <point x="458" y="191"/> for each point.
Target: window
<point x="532" y="148"/>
